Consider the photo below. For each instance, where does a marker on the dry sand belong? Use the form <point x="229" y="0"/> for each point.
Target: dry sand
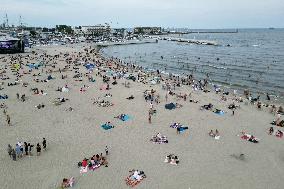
<point x="71" y="136"/>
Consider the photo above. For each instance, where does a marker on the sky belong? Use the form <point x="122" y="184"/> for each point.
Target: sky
<point x="196" y="14"/>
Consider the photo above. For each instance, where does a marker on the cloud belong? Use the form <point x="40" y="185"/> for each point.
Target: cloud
<point x="179" y="13"/>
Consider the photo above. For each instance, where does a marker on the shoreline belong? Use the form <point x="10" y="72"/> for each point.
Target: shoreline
<point x="278" y="100"/>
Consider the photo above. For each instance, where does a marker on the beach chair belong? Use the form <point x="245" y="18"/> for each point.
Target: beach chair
<point x="132" y="182"/>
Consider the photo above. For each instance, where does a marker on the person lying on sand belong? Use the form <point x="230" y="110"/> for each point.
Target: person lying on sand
<point x="194" y="101"/>
<point x="239" y="157"/>
<point x="40" y="106"/>
<point x="215" y="135"/>
<point x="66" y="183"/>
<point x="137" y="175"/>
<point x="172" y="159"/>
<point x="130" y="97"/>
<point x="271" y="130"/>
<point x="121" y="116"/>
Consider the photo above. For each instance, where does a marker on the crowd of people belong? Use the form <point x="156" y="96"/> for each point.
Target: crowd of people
<point x="22" y="149"/>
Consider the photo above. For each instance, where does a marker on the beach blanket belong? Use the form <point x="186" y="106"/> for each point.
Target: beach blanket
<point x="123" y="117"/>
<point x="107" y="127"/>
<point x="181" y="129"/>
<point x="92" y="168"/>
<point x="170" y="106"/>
<point x="249" y="138"/>
<point x="277" y="133"/>
<point x="104" y="87"/>
<point x="4" y="97"/>
<point x="219" y="112"/>
<point x="175" y="125"/>
<point x="159" y="139"/>
<point x="65" y="89"/>
<point x="132" y="182"/>
<point x="134" y="179"/>
<point x="83" y="170"/>
<point x="89" y="66"/>
<point x="92" y="80"/>
<point x="34" y="65"/>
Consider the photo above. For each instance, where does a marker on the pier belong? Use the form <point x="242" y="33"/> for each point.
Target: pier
<point x="192" y="41"/>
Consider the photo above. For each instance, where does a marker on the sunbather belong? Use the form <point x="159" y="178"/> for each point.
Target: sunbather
<point x="271" y="130"/>
<point x="130" y="98"/>
<point x="66" y="183"/>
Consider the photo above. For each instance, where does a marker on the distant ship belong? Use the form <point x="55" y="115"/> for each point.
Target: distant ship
<point x="271" y="28"/>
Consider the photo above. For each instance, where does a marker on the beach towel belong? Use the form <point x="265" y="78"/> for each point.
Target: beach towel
<point x="217" y="137"/>
<point x="182" y="129"/>
<point x="94" y="167"/>
<point x="175" y="125"/>
<point x="159" y="139"/>
<point x="49" y="77"/>
<point x="89" y="66"/>
<point x="103" y="87"/>
<point x="106" y="126"/>
<point x="248" y="138"/>
<point x="125" y="118"/>
<point x="221" y="112"/>
<point x="170" y="106"/>
<point x="277" y="133"/>
<point x="130" y="181"/>
<point x="4" y="97"/>
<point x="64" y="89"/>
<point x="83" y="170"/>
<point x="92" y="80"/>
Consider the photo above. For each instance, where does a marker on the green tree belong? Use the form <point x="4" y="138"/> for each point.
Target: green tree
<point x="64" y="29"/>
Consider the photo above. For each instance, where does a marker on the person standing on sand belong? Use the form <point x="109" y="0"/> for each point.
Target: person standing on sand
<point x="167" y="97"/>
<point x="14" y="156"/>
<point x="9" y="149"/>
<point x="30" y="148"/>
<point x="150" y="118"/>
<point x="106" y="150"/>
<point x="38" y="149"/>
<point x="8" y="119"/>
<point x="18" y="151"/>
<point x="26" y="148"/>
<point x="44" y="143"/>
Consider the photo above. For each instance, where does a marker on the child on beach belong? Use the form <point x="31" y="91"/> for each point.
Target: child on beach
<point x="8" y="119"/>
<point x="106" y="150"/>
<point x="44" y="143"/>
<point x="9" y="149"/>
<point x="38" y="149"/>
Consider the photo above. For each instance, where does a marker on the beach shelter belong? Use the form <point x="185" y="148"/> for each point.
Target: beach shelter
<point x="170" y="106"/>
<point x="90" y="66"/>
<point x="17" y="66"/>
<point x="35" y="65"/>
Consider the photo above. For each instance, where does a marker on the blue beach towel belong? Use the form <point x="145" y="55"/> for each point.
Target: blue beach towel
<point x="170" y="106"/>
<point x="106" y="126"/>
<point x="181" y="129"/>
<point x="125" y="118"/>
<point x="4" y="97"/>
<point x="89" y="66"/>
<point x="220" y="113"/>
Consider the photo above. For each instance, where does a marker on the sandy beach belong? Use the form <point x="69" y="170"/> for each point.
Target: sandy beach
<point x="74" y="135"/>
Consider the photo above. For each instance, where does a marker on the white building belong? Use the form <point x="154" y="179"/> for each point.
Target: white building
<point x="97" y="30"/>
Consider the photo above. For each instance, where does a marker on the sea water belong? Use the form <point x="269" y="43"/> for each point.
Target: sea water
<point x="250" y="59"/>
